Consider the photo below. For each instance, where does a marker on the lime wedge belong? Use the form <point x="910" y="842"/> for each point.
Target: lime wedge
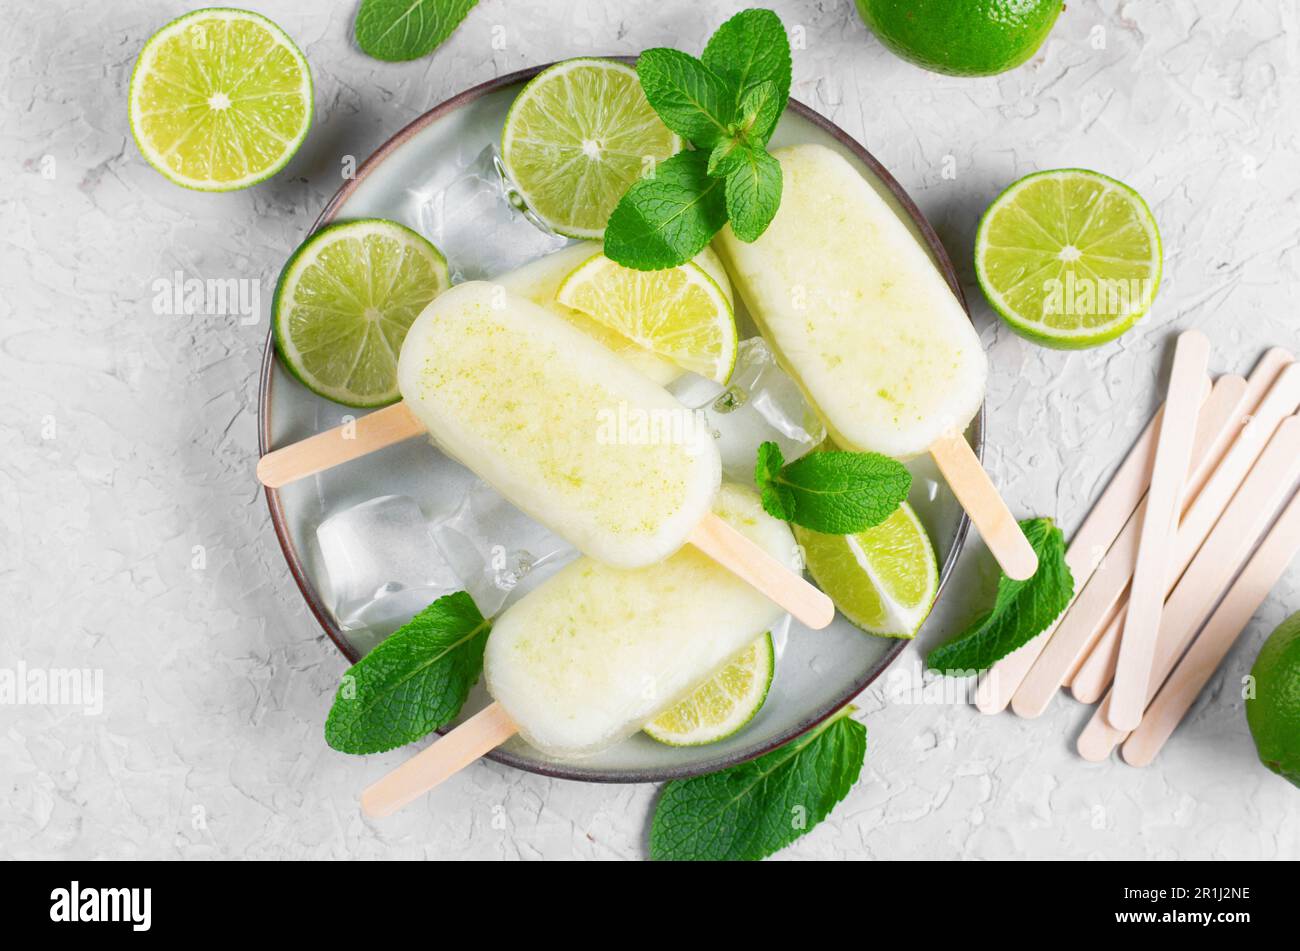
<point x="681" y="313"/>
<point x="578" y="135"/>
<point x="1070" y="258"/>
<point x="721" y="706"/>
<point x="884" y="580"/>
<point x="344" y="303"/>
<point x="220" y="99"/>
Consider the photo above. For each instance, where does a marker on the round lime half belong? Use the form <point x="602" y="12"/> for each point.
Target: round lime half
<point x="1070" y="258"/>
<point x="577" y="137"/>
<point x="345" y="302"/>
<point x="220" y="99"/>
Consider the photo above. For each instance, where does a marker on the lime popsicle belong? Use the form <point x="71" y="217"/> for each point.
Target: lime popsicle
<point x="595" y="653"/>
<point x="558" y="424"/>
<point x="857" y="313"/>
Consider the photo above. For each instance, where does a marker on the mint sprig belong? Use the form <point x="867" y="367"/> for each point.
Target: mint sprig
<point x="1021" y="610"/>
<point x="838" y="493"/>
<point x="749" y="811"/>
<point x="397" y="30"/>
<point x="671" y="222"/>
<point x="414" y="682"/>
<point x="725" y="104"/>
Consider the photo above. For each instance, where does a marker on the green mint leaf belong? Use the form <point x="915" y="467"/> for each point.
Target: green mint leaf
<point x="690" y="99"/>
<point x="749" y="811"/>
<point x="666" y="220"/>
<point x="778" y="500"/>
<point x="396" y="30"/>
<point x="753" y="194"/>
<point x="749" y="49"/>
<point x="414" y="682"/>
<point x="1021" y="611"/>
<point x="725" y="157"/>
<point x="834" y="492"/>
<point x="759" y="110"/>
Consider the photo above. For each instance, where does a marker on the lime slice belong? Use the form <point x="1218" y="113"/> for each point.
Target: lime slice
<point x="578" y="135"/>
<point x="344" y="303"/>
<point x="1070" y="258"/>
<point x="220" y="99"/>
<point x="680" y="313"/>
<point x="884" y="580"/>
<point x="721" y="706"/>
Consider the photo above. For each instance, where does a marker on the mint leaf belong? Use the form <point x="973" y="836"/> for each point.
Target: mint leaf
<point x="1021" y="611"/>
<point x="749" y="811"/>
<point x="777" y="499"/>
<point x="837" y="493"/>
<point x="749" y="49"/>
<point x="414" y="682"/>
<point x="727" y="156"/>
<point x="665" y="221"/>
<point x="690" y="99"/>
<point x="759" y="110"/>
<point x="396" y="30"/>
<point x="753" y="194"/>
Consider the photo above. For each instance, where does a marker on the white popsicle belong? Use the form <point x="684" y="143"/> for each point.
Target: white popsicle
<point x="558" y="424"/>
<point x="595" y="653"/>
<point x="857" y="313"/>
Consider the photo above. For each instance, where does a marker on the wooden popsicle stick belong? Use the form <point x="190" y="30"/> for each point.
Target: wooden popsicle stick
<point x="480" y="734"/>
<point x="1146" y="597"/>
<point x="752" y="564"/>
<point x="1090" y="543"/>
<point x="1212" y="645"/>
<point x="975" y="491"/>
<point x="1100" y="599"/>
<point x="369" y="433"/>
<point x="1267" y="487"/>
<point x="1282" y="400"/>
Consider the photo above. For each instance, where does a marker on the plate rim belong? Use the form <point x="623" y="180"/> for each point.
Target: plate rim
<point x="560" y="770"/>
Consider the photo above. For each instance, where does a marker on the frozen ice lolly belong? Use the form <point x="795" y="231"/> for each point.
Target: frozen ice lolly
<point x="594" y="653"/>
<point x="558" y="424"/>
<point x="857" y="313"/>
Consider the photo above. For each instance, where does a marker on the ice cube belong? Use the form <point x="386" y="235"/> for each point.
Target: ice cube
<point x="469" y="214"/>
<point x="381" y="566"/>
<point x="493" y="547"/>
<point x="761" y="403"/>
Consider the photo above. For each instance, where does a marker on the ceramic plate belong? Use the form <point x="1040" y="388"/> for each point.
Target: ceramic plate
<point x="435" y="175"/>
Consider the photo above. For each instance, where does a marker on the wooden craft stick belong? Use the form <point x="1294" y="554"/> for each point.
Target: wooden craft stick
<point x="1269" y="484"/>
<point x="1232" y="616"/>
<point x="1281" y="401"/>
<point x="480" y="734"/>
<point x="1087" y="548"/>
<point x="754" y="565"/>
<point x="369" y="433"/>
<point x="1099" y="599"/>
<point x="975" y="491"/>
<point x="1146" y="597"/>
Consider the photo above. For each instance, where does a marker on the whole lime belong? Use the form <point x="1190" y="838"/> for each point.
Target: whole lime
<point x="962" y="38"/>
<point x="1274" y="711"/>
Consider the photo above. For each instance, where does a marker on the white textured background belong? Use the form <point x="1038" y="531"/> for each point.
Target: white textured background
<point x="128" y="437"/>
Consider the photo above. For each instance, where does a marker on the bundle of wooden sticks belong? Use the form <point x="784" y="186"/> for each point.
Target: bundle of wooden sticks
<point x="1178" y="554"/>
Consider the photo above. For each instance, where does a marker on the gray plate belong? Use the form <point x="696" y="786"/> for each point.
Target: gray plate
<point x="817" y="672"/>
